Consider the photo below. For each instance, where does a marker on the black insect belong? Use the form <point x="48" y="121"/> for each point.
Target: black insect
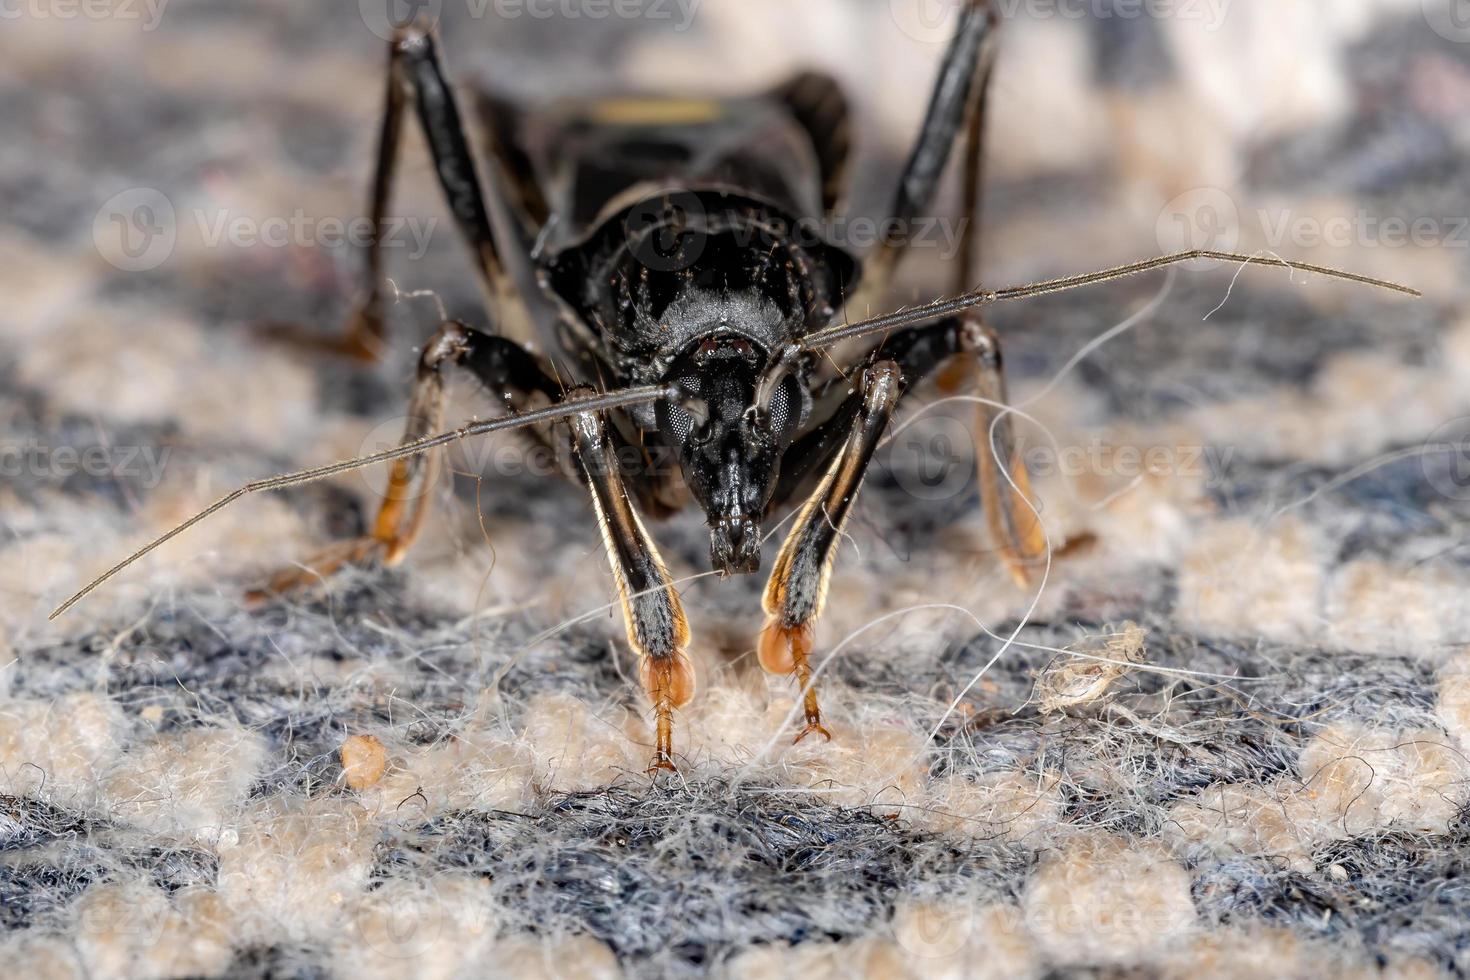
<point x="673" y="244"/>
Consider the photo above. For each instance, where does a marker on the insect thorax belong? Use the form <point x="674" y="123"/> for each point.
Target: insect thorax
<point x="671" y="268"/>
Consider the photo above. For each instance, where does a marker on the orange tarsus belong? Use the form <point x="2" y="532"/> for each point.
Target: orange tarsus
<point x="663" y="758"/>
<point x="782" y="648"/>
<point x="809" y="703"/>
<point x="669" y="682"/>
<point x="953" y="377"/>
<point x="787" y="650"/>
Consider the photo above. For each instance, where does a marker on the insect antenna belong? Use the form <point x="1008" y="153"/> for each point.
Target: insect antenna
<point x="984" y="297"/>
<point x="551" y="413"/>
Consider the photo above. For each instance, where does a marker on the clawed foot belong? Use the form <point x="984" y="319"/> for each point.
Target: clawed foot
<point x="813" y="727"/>
<point x="787" y="650"/>
<point x="669" y="681"/>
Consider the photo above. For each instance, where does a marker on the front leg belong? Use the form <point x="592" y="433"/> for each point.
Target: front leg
<point x="798" y="586"/>
<point x="657" y="629"/>
<point x="652" y="613"/>
<point x="508" y="370"/>
<point x="964" y="355"/>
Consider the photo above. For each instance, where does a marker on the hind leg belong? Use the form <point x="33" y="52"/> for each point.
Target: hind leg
<point x="956" y="104"/>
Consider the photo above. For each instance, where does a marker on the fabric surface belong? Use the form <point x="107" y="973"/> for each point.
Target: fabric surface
<point x="1226" y="736"/>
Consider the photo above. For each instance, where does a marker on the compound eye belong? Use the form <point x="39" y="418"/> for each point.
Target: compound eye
<point x="674" y="422"/>
<point x="682" y="425"/>
<point x="786" y="410"/>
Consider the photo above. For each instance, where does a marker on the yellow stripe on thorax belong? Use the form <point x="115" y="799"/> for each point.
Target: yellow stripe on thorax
<point x="655" y="112"/>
